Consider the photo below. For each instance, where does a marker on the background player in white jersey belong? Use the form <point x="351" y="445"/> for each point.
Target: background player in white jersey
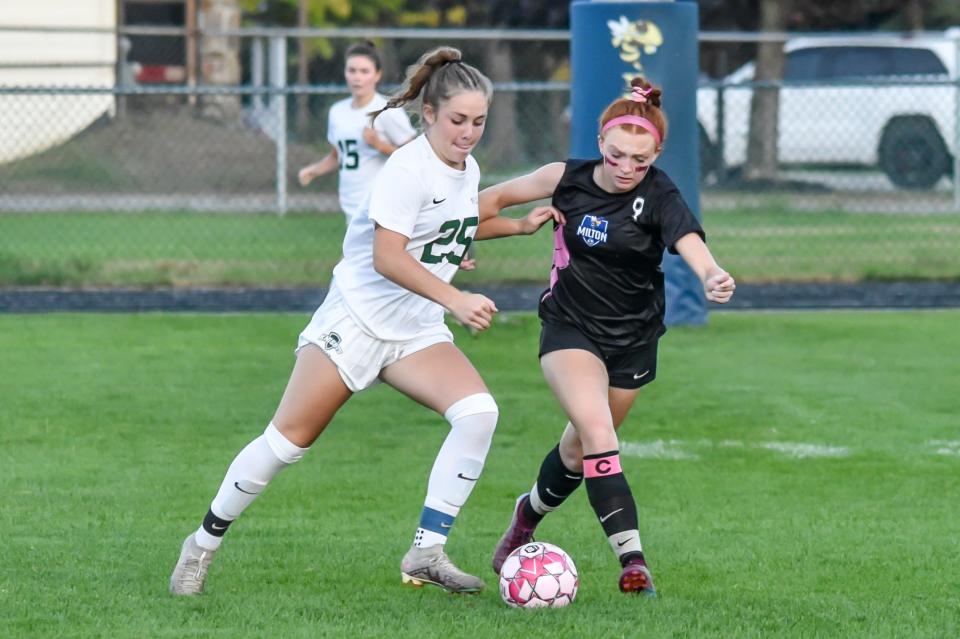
<point x="359" y="148"/>
<point x="603" y="313"/>
<point x="383" y="319"/>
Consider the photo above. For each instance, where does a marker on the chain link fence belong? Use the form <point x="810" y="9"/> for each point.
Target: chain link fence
<point x="162" y="178"/>
<point x="213" y="149"/>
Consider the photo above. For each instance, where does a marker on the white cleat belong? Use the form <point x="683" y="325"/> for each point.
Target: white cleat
<point x="190" y="573"/>
<point x="432" y="566"/>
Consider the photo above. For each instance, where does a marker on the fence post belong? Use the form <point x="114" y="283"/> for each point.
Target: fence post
<point x="612" y="42"/>
<point x="956" y="123"/>
<point x="257" y="73"/>
<point x="278" y="105"/>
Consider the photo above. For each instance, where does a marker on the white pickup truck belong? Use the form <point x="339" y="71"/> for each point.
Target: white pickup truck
<point x="872" y="101"/>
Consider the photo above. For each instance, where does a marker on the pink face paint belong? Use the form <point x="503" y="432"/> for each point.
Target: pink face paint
<point x="640" y="168"/>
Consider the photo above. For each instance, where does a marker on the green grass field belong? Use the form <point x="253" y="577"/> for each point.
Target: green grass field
<point x="797" y="476"/>
<point x="193" y="249"/>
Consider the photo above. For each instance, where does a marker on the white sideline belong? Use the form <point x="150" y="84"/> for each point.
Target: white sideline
<point x="950" y="447"/>
<point x="678" y="449"/>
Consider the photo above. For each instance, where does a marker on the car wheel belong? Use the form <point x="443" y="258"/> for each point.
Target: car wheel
<point x="912" y="153"/>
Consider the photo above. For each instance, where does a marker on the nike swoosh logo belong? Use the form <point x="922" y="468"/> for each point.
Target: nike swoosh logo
<point x="216" y="527"/>
<point x="621" y="543"/>
<point x="445" y="525"/>
<point x="641" y="375"/>
<point x="550" y="492"/>
<point x="236" y="485"/>
<point x="573" y="476"/>
<point x="436" y="201"/>
<point x="462" y="476"/>
<point x="609" y="515"/>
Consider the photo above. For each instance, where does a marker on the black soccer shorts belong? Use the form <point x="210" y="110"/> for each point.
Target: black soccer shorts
<point x="626" y="368"/>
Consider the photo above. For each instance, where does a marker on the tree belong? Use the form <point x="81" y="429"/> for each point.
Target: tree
<point x="303" y="60"/>
<point x="764" y="106"/>
<point x="220" y="57"/>
<point x="718" y="59"/>
<point x="830" y="15"/>
<point x="318" y="13"/>
<point x="507" y="141"/>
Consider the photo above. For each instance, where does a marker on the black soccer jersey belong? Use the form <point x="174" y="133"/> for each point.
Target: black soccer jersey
<point x="606" y="278"/>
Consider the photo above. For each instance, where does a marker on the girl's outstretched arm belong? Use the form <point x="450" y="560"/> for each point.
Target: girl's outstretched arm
<point x="718" y="285"/>
<point x="527" y="188"/>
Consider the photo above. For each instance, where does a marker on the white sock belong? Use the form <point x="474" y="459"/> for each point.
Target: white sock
<point x="625" y="541"/>
<point x="458" y="466"/>
<point x="251" y="471"/>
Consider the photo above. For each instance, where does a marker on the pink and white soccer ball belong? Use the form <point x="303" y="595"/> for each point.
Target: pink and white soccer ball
<point x="538" y="575"/>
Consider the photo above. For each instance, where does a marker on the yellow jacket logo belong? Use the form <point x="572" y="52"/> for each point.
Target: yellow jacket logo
<point x="634" y="40"/>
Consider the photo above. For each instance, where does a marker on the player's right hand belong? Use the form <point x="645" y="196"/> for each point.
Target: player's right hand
<point x="539" y="216"/>
<point x="305" y="176"/>
<point x="474" y="310"/>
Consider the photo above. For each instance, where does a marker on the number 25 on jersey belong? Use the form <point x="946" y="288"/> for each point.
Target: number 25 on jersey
<point x="451" y="230"/>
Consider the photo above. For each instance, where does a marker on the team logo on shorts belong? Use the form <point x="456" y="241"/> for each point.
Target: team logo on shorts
<point x="593" y="230"/>
<point x="331" y="342"/>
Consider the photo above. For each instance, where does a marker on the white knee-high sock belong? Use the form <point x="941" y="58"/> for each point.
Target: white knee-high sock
<point x="458" y="466"/>
<point x="251" y="471"/>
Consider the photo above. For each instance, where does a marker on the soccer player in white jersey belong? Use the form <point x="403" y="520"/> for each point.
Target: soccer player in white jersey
<point x="359" y="148"/>
<point x="383" y="319"/>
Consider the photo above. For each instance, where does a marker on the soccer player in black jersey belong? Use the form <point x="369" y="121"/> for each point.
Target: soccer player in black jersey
<point x="603" y="312"/>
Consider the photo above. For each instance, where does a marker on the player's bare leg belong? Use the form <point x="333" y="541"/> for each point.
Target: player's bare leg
<point x="314" y="394"/>
<point x="441" y="378"/>
<point x="579" y="381"/>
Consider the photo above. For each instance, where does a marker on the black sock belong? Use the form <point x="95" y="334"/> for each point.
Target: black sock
<point x="214" y="525"/>
<point x="612" y="501"/>
<point x="555" y="483"/>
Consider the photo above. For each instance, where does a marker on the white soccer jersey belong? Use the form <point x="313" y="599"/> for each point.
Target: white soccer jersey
<point x="360" y="162"/>
<point x="419" y="196"/>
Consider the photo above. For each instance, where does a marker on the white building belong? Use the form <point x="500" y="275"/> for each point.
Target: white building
<point x="32" y="123"/>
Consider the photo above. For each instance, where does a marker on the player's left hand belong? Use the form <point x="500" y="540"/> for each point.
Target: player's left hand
<point x="305" y="176"/>
<point x="719" y="287"/>
<point x="370" y="137"/>
<point x="468" y="264"/>
<point x="473" y="310"/>
<point x="539" y="216"/>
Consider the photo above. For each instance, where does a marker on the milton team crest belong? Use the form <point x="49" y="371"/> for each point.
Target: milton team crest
<point x="593" y="230"/>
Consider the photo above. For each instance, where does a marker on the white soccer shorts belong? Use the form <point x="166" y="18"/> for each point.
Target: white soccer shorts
<point x="358" y="356"/>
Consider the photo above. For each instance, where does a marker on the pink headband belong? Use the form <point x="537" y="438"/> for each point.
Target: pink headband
<point x="633" y="119"/>
<point x="637" y="95"/>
